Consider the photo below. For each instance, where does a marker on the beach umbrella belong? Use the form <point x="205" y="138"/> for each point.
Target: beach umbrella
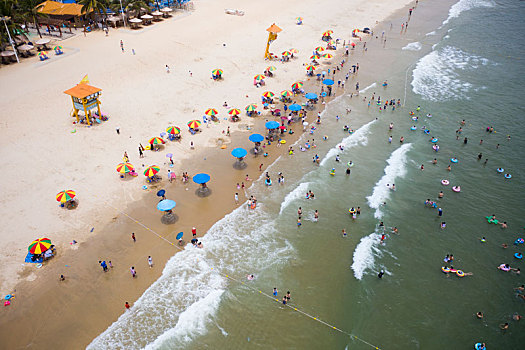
<point x="271" y="125"/>
<point x="271" y="68"/>
<point x="295" y="107"/>
<point x="330" y="42"/>
<point x="328" y="32"/>
<point x="251" y="108"/>
<point x="268" y="94"/>
<point x="294" y="51"/>
<point x="38" y="246"/>
<point x="256" y="138"/>
<point x="151" y="170"/>
<point x="161" y="193"/>
<point x="286" y="53"/>
<point x="173" y="130"/>
<point x="125" y="168"/>
<point x="179" y="235"/>
<point x="315" y="57"/>
<point x="156" y="141"/>
<point x="353" y="44"/>
<point x="327" y="55"/>
<point x="194" y="124"/>
<point x="234" y="111"/>
<point x="64" y="196"/>
<point x="311" y="96"/>
<point x="239" y="152"/>
<point x="286" y="93"/>
<point x="211" y="112"/>
<point x="311" y="68"/>
<point x="58" y="47"/>
<point x="169" y="155"/>
<point x="297" y="85"/>
<point x="201" y="178"/>
<point x="42" y="53"/>
<point x="216" y="71"/>
<point x="299" y="19"/>
<point x="319" y="49"/>
<point x="328" y="82"/>
<point x="259" y="77"/>
<point x="166" y="204"/>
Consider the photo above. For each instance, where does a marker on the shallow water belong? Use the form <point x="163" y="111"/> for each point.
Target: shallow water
<point x="462" y="71"/>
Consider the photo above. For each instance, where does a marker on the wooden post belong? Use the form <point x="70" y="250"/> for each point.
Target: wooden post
<point x="75" y="109"/>
<point x="85" y="111"/>
<point x="98" y="107"/>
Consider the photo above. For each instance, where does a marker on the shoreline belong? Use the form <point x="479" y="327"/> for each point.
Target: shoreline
<point x="112" y="305"/>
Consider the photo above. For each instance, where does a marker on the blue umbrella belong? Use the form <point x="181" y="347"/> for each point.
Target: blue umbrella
<point x="166" y="204"/>
<point x="272" y="124"/>
<point x="201" y="178"/>
<point x="239" y="152"/>
<point x="169" y="155"/>
<point x="295" y="107"/>
<point x="179" y="235"/>
<point x="161" y="193"/>
<point x="328" y="82"/>
<point x="311" y="96"/>
<point x="256" y="138"/>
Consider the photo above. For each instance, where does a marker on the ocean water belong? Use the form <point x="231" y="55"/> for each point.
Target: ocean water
<point x="458" y="60"/>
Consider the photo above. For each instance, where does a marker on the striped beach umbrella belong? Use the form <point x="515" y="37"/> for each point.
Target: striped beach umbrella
<point x="286" y="93"/>
<point x="294" y="51"/>
<point x="125" y="168"/>
<point x="327" y="55"/>
<point x="194" y="124"/>
<point x="259" y="77"/>
<point x="38" y="246"/>
<point x="297" y="85"/>
<point x="331" y="42"/>
<point x="42" y="53"/>
<point x="299" y="19"/>
<point x="319" y="49"/>
<point x="268" y="94"/>
<point x="315" y="57"/>
<point x="271" y="68"/>
<point x="311" y="68"/>
<point x="211" y="111"/>
<point x="286" y="53"/>
<point x="58" y="47"/>
<point x="216" y="71"/>
<point x="151" y="170"/>
<point x="234" y="111"/>
<point x="64" y="196"/>
<point x="251" y="108"/>
<point x="328" y="32"/>
<point x="173" y="130"/>
<point x="156" y="141"/>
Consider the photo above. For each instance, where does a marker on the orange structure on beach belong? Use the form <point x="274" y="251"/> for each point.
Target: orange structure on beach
<point x="84" y="97"/>
<point x="272" y="35"/>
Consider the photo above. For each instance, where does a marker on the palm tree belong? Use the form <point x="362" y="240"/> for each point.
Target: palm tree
<point x="95" y="6"/>
<point x="7" y="11"/>
<point x="136" y="6"/>
<point x="28" y="10"/>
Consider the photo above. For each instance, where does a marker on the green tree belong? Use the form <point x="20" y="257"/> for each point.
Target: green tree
<point x="28" y="11"/>
<point x="95" y="5"/>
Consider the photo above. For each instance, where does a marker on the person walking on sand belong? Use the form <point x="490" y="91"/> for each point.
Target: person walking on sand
<point x="236" y="198"/>
<point x="122" y="46"/>
<point x="141" y="154"/>
<point x="167" y="69"/>
<point x="133" y="272"/>
<point x="150" y="262"/>
<point x="126" y="305"/>
<point x="194" y="232"/>
<point x="133" y="237"/>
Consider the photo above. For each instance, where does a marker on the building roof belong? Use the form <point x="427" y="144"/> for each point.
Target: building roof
<point x="82" y="91"/>
<point x="60" y="9"/>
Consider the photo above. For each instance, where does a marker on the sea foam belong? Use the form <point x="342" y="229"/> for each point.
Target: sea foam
<point x="297" y="193"/>
<point x="436" y="76"/>
<point x="363" y="258"/>
<point x="396" y="168"/>
<point x="465" y="5"/>
<point x="416" y="46"/>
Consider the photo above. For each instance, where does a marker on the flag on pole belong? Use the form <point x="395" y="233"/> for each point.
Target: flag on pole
<point x="85" y="80"/>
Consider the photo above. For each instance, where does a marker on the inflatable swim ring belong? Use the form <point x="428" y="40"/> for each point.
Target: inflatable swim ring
<point x="518" y="256"/>
<point x="434" y="140"/>
<point x="414" y="118"/>
<point x="435" y="148"/>
<point x="453" y="270"/>
<point x="500" y="170"/>
<point x="445" y="182"/>
<point x="427" y="132"/>
<point x="268" y="182"/>
<point x="479" y="346"/>
<point x="429" y="115"/>
<point x="282" y="142"/>
<point x="456" y="188"/>
<point x="454" y="160"/>
<point x="413" y="128"/>
<point x="483" y="240"/>
<point x="503" y="268"/>
<point x="350" y="164"/>
<point x="411" y="113"/>
<point x="253" y="205"/>
<point x="519" y="241"/>
<point x="460" y="273"/>
<point x="332" y="172"/>
<point x="491" y="221"/>
<point x="445" y="269"/>
<point x="507" y="176"/>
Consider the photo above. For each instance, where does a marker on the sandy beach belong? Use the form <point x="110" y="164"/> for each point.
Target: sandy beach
<point x="141" y="100"/>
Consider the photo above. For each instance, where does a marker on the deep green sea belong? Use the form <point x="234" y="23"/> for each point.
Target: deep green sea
<point x="457" y="61"/>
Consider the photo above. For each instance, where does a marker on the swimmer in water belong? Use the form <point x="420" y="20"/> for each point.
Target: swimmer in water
<point x="344" y="232"/>
<point x="434" y="161"/>
<point x="504" y="224"/>
<point x="443" y="225"/>
<point x="250" y="277"/>
<point x="347" y="171"/>
<point x="449" y="168"/>
<point x="440" y="195"/>
<point x="480" y="155"/>
<point x="479" y="314"/>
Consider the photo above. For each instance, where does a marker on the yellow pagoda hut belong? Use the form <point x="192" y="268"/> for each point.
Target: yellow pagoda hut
<point x="84" y="97"/>
<point x="272" y="35"/>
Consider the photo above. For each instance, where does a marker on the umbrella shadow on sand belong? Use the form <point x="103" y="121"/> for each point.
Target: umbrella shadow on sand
<point x="203" y="192"/>
<point x="240" y="165"/>
<point x="169" y="218"/>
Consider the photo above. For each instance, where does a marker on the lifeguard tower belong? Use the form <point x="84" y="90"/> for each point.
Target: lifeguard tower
<point x="84" y="97"/>
<point x="272" y="35"/>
